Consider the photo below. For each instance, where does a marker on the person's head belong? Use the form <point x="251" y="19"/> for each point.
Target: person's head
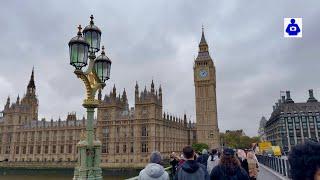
<point x="292" y="21"/>
<point x="304" y="160"/>
<point x="188" y="152"/>
<point x="214" y="151"/>
<point x="241" y="154"/>
<point x="173" y="155"/>
<point x="229" y="160"/>
<point x="155" y="157"/>
<point x="204" y="151"/>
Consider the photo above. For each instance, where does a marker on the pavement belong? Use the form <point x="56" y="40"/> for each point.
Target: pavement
<point x="266" y="173"/>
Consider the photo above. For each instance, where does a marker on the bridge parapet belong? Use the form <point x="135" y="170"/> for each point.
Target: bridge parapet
<point x="278" y="164"/>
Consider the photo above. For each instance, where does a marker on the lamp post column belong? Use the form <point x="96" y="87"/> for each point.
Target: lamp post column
<point x="98" y="71"/>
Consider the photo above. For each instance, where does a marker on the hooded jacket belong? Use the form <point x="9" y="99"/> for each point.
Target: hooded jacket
<point x="192" y="170"/>
<point x="153" y="171"/>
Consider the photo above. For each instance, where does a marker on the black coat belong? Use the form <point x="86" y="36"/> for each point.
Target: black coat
<point x="203" y="159"/>
<point x="244" y="165"/>
<point x="221" y="173"/>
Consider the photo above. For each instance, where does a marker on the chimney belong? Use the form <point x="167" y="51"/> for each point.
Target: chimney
<point x="289" y="100"/>
<point x="311" y="97"/>
<point x="283" y="99"/>
<point x="274" y="107"/>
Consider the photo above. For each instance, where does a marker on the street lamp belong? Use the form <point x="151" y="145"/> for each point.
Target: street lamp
<point x="98" y="71"/>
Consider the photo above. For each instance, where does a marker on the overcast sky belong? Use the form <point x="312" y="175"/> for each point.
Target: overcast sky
<point x="159" y="40"/>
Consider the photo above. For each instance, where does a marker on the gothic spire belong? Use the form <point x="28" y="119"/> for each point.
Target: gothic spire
<point x="136" y="87"/>
<point x="160" y="90"/>
<point x="203" y="54"/>
<point x="114" y="90"/>
<point x="31" y="82"/>
<point x="203" y="46"/>
<point x="18" y="99"/>
<point x="152" y="86"/>
<point x="124" y="95"/>
<point x="8" y="103"/>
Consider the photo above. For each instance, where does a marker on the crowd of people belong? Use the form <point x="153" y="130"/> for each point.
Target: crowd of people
<point x="230" y="164"/>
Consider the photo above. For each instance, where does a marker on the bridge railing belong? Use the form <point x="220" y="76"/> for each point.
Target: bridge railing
<point x="278" y="164"/>
<point x="168" y="169"/>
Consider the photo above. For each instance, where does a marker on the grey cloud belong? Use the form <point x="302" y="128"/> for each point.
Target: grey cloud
<point x="159" y="39"/>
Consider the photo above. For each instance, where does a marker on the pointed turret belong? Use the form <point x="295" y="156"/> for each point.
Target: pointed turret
<point x="160" y="94"/>
<point x="114" y="91"/>
<point x="152" y="87"/>
<point x="160" y="91"/>
<point x="31" y="82"/>
<point x="124" y="95"/>
<point x="31" y="88"/>
<point x="8" y="103"/>
<point x="145" y="90"/>
<point x="203" y="46"/>
<point x="18" y="100"/>
<point x="136" y="92"/>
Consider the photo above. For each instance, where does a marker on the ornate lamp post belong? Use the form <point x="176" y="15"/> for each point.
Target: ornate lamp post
<point x="82" y="48"/>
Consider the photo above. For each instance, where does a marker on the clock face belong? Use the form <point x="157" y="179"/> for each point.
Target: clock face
<point x="203" y="73"/>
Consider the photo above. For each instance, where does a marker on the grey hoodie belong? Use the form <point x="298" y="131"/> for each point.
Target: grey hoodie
<point x="153" y="171"/>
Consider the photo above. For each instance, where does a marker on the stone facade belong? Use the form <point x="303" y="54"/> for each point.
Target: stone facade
<point x="206" y="100"/>
<point x="261" y="130"/>
<point x="128" y="134"/>
<point x="291" y="123"/>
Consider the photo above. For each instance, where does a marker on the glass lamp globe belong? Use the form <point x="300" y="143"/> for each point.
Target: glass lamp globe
<point x="78" y="49"/>
<point x="92" y="34"/>
<point x="102" y="66"/>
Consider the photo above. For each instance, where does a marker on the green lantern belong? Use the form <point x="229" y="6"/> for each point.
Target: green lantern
<point x="102" y="66"/>
<point x="78" y="49"/>
<point x="92" y="34"/>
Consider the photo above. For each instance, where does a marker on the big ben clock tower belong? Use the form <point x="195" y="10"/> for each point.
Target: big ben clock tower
<point x="205" y="94"/>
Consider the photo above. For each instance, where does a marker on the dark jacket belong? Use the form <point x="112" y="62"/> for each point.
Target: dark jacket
<point x="244" y="164"/>
<point x="203" y="159"/>
<point x="192" y="170"/>
<point x="220" y="172"/>
<point x="174" y="163"/>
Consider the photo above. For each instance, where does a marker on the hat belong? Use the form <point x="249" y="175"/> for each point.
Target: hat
<point x="204" y="151"/>
<point x="228" y="152"/>
<point x="155" y="157"/>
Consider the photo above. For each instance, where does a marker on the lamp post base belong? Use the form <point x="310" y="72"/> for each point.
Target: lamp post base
<point x="87" y="174"/>
<point x="88" y="162"/>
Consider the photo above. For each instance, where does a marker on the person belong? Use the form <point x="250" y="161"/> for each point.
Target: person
<point x="293" y="28"/>
<point x="191" y="169"/>
<point x="174" y="161"/>
<point x="213" y="160"/>
<point x="181" y="161"/>
<point x="252" y="165"/>
<point x="229" y="168"/>
<point x="304" y="160"/>
<point x="203" y="158"/>
<point x="243" y="159"/>
<point x="154" y="170"/>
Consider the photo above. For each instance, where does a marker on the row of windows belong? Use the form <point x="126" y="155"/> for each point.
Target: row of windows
<point x="45" y="149"/>
<point x="106" y="132"/>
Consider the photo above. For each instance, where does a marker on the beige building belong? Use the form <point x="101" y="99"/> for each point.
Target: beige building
<point x="128" y="135"/>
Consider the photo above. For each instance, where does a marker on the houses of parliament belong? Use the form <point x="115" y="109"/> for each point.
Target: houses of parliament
<point x="128" y="134"/>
